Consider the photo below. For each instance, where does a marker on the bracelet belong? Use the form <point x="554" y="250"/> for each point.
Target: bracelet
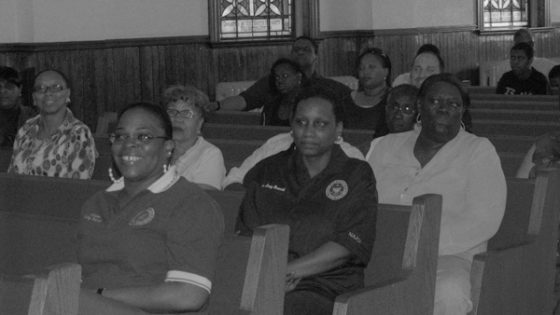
<point x="100" y="291"/>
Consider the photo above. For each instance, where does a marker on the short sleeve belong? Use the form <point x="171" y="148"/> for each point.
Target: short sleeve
<point x="355" y="228"/>
<point x="195" y="234"/>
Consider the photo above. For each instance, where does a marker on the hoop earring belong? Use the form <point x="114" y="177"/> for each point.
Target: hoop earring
<point x="112" y="176"/>
<point x="418" y="120"/>
<point x="463" y="125"/>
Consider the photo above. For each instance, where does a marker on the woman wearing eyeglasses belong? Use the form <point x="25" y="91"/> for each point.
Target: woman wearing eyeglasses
<point x="196" y="159"/>
<point x="150" y="240"/>
<point x="54" y="143"/>
<point x="440" y="157"/>
<point x="368" y="109"/>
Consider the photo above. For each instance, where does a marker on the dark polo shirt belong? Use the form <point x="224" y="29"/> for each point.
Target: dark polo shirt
<point x="338" y="205"/>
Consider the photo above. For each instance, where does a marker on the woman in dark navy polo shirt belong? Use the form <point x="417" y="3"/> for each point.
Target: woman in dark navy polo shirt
<point x="328" y="200"/>
<point x="150" y="240"/>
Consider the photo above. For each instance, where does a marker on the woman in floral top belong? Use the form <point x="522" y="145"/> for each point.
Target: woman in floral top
<point x="54" y="143"/>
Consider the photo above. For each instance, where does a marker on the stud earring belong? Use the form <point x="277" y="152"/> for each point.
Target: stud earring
<point x="165" y="168"/>
<point x="338" y="140"/>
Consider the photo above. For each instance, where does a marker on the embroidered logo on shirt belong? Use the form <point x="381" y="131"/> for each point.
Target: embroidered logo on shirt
<point x="337" y="189"/>
<point x="355" y="237"/>
<point x="94" y="217"/>
<point x="143" y="217"/>
<point x="273" y="187"/>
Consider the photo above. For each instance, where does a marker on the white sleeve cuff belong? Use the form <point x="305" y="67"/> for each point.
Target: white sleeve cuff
<point x="191" y="278"/>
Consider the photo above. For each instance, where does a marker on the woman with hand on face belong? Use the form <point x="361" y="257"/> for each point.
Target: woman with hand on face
<point x="327" y="199"/>
<point x="442" y="158"/>
<point x="286" y="80"/>
<point x="368" y="109"/>
<point x="196" y="159"/>
<point x="151" y="239"/>
<point x="54" y="143"/>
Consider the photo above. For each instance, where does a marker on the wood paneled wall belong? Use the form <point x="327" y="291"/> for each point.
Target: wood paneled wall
<point x="106" y="75"/>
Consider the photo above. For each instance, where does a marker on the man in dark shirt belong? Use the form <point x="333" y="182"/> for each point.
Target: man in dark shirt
<point x="304" y="52"/>
<point x="523" y="78"/>
<point x="12" y="113"/>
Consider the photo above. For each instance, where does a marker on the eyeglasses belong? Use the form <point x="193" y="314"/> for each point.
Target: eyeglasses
<point x="405" y="109"/>
<point x="449" y="104"/>
<point x="187" y="113"/>
<point x="142" y="138"/>
<point x="49" y="88"/>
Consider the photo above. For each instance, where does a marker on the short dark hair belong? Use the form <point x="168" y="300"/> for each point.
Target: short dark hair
<point x="60" y="73"/>
<point x="385" y="61"/>
<point x="554" y="72"/>
<point x="158" y="111"/>
<point x="283" y="61"/>
<point x="402" y="90"/>
<point x="431" y="49"/>
<point x="448" y="78"/>
<point x="10" y="75"/>
<point x="309" y="39"/>
<point x="526" y="48"/>
<point x="324" y="93"/>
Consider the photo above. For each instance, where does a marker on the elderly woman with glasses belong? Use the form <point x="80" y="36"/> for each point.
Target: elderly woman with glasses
<point x="196" y="159"/>
<point x="440" y="157"/>
<point x="54" y="143"/>
<point x="150" y="240"/>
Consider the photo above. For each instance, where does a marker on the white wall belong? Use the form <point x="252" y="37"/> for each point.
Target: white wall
<point x="339" y="15"/>
<point x="555" y="11"/>
<point x="16" y="21"/>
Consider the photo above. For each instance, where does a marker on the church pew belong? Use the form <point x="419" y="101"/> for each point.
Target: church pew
<point x="234" y="118"/>
<point x="400" y="278"/>
<point x="516" y="275"/>
<point x="51" y="291"/>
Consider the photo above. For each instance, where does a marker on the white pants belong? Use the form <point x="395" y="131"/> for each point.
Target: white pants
<point x="453" y="285"/>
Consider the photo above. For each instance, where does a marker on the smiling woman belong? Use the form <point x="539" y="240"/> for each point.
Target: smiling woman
<point x="54" y="143"/>
<point x="179" y="226"/>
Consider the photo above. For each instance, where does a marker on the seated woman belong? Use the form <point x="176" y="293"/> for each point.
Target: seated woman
<point x="285" y="81"/>
<point x="196" y="159"/>
<point x="368" y="109"/>
<point x="13" y="114"/>
<point x="151" y="239"/>
<point x="54" y="143"/>
<point x="441" y="158"/>
<point x="327" y="199"/>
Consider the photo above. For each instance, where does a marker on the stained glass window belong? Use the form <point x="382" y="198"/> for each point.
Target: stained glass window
<point x="258" y="19"/>
<point x="505" y="14"/>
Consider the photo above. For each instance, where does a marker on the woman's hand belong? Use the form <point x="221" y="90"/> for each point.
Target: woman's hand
<point x="291" y="281"/>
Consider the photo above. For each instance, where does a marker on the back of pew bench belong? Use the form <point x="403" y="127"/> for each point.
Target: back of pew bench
<point x="400" y="278"/>
<point x="516" y="275"/>
<point x="52" y="291"/>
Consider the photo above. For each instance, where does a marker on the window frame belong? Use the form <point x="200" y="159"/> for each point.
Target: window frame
<point x="304" y="22"/>
<point x="539" y="16"/>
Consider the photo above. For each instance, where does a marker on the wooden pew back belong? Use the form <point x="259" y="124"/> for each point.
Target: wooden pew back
<point x="516" y="275"/>
<point x="400" y="278"/>
<point x="53" y="291"/>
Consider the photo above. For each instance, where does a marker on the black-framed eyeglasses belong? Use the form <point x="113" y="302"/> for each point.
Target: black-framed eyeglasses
<point x="405" y="109"/>
<point x="49" y="88"/>
<point x="187" y="113"/>
<point x="142" y="138"/>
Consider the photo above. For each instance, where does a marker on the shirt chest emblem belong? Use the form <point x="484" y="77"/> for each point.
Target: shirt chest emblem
<point x="273" y="187"/>
<point x="143" y="217"/>
<point x="337" y="189"/>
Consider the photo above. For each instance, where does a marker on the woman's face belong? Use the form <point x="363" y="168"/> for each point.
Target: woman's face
<point x="314" y="127"/>
<point x="186" y="119"/>
<point x="50" y="93"/>
<point x="400" y="113"/>
<point x="424" y="66"/>
<point x="441" y="111"/>
<point x="9" y="94"/>
<point x="286" y="79"/>
<point x="371" y="72"/>
<point x="140" y="160"/>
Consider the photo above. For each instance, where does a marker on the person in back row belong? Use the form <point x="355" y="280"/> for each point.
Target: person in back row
<point x="53" y="143"/>
<point x="554" y="79"/>
<point x="368" y="109"/>
<point x="523" y="79"/>
<point x="400" y="115"/>
<point x="304" y="53"/>
<point x="328" y="200"/>
<point x="441" y="158"/>
<point x="12" y="112"/>
<point x="427" y="61"/>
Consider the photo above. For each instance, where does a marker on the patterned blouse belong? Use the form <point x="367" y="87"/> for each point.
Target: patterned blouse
<point x="69" y="153"/>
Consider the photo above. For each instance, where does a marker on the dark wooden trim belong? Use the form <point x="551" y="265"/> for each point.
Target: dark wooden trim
<point x="252" y="43"/>
<point x="512" y="31"/>
<point x="352" y="34"/>
<point x="213" y="12"/>
<point x="423" y="30"/>
<point x="103" y="44"/>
